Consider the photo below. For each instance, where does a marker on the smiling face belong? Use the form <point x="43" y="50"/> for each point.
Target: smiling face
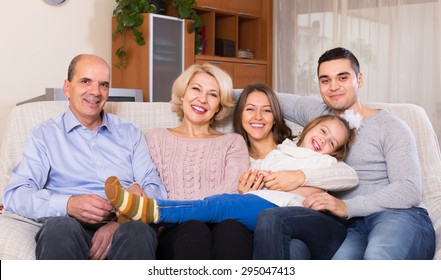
<point x="326" y="137"/>
<point x="201" y="99"/>
<point x="339" y="84"/>
<point x="257" y="117"/>
<point x="88" y="89"/>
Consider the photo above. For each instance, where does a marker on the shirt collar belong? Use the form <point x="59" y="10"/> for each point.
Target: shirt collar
<point x="71" y="122"/>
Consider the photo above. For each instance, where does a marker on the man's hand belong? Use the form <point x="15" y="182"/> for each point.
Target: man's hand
<point x="89" y="208"/>
<point x="284" y="180"/>
<point x="325" y="202"/>
<point x="136" y="189"/>
<point x="250" y="181"/>
<point x="101" y="241"/>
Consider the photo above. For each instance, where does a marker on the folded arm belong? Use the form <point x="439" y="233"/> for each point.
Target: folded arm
<point x="337" y="177"/>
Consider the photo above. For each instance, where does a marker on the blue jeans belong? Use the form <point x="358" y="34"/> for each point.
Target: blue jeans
<point x="214" y="209"/>
<point x="297" y="232"/>
<point x="405" y="234"/>
<point x="64" y="238"/>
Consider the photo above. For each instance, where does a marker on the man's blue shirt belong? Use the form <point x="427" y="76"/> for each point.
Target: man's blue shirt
<point x="62" y="158"/>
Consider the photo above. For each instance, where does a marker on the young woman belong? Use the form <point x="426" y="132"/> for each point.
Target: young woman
<point x="322" y="142"/>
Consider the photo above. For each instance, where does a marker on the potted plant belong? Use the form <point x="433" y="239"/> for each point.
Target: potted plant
<point x="128" y="15"/>
<point x="185" y="10"/>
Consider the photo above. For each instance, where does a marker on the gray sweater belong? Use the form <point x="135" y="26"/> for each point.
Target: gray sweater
<point x="384" y="155"/>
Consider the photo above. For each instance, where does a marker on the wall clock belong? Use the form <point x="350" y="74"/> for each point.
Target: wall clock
<point x="54" y="2"/>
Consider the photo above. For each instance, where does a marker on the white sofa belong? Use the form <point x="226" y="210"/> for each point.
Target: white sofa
<point x="17" y="233"/>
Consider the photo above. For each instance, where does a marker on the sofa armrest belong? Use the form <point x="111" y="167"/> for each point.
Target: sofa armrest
<point x="17" y="238"/>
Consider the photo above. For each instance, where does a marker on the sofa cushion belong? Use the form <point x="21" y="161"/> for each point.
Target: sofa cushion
<point x="429" y="156"/>
<point x="23" y="118"/>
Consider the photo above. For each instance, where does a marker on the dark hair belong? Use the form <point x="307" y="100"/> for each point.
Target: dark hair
<point x="342" y="151"/>
<point x="72" y="65"/>
<point x="339" y="53"/>
<point x="280" y="129"/>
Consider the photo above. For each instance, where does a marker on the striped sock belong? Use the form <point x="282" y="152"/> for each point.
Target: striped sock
<point x="131" y="205"/>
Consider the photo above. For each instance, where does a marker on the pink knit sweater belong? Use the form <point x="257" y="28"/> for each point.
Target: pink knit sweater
<point x="197" y="168"/>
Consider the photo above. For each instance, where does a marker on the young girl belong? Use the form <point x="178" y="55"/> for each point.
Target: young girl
<point x="321" y="143"/>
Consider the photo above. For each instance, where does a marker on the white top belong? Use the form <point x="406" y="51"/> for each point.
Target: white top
<point x="384" y="155"/>
<point x="287" y="156"/>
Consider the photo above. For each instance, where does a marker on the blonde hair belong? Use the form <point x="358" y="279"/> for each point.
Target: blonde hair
<point x="223" y="80"/>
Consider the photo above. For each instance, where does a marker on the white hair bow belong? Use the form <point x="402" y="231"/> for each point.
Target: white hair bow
<point x="354" y="119"/>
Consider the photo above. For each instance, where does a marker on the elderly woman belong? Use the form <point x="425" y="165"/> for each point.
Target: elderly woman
<point x="195" y="161"/>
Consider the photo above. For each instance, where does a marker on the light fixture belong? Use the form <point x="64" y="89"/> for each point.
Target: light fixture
<point x="54" y="2"/>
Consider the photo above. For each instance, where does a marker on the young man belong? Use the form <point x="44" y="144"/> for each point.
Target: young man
<point x="66" y="161"/>
<point x="384" y="215"/>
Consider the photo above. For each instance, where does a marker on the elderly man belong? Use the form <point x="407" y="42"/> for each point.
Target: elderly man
<point x="66" y="161"/>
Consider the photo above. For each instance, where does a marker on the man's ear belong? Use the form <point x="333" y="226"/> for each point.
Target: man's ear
<point x="360" y="80"/>
<point x="66" y="89"/>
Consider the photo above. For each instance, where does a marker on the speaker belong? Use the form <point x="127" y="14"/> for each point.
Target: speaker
<point x="224" y="47"/>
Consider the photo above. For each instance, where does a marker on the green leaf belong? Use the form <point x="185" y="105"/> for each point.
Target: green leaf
<point x="138" y="37"/>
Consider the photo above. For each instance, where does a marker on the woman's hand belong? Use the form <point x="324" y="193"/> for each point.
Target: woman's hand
<point x="250" y="181"/>
<point x="284" y="180"/>
<point x="306" y="191"/>
<point x="326" y="202"/>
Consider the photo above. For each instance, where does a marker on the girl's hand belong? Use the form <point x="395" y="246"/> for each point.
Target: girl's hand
<point x="284" y="180"/>
<point x="250" y="181"/>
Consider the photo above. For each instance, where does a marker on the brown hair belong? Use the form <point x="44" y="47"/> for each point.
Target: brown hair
<point x="341" y="152"/>
<point x="280" y="129"/>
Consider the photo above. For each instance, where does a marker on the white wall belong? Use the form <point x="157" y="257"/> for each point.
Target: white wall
<point x="37" y="42"/>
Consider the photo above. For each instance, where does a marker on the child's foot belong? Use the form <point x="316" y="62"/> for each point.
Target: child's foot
<point x="122" y="218"/>
<point x="131" y="205"/>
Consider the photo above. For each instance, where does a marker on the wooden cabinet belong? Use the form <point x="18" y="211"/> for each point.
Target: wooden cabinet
<point x="241" y="7"/>
<point x="248" y="26"/>
<point x="248" y="73"/>
<point x="244" y="24"/>
<point x="226" y="66"/>
<point x="246" y="7"/>
<point x="211" y="4"/>
<point x="242" y="74"/>
<point x="153" y="67"/>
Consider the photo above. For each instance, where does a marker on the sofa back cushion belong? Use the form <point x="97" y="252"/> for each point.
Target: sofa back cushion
<point x="428" y="152"/>
<point x="149" y="115"/>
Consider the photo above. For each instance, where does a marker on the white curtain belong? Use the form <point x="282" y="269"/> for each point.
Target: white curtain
<point x="397" y="43"/>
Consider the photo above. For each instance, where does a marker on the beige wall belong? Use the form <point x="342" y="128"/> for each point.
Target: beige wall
<point x="38" y="41"/>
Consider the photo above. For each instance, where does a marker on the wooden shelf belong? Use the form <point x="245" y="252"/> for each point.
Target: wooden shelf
<point x="230" y="59"/>
<point x="248" y="25"/>
<point x="240" y="7"/>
